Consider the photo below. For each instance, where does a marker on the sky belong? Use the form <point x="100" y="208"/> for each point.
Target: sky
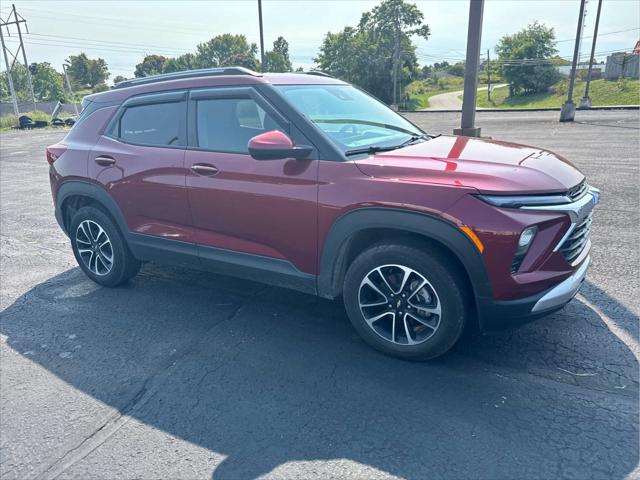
<point x="122" y="32"/>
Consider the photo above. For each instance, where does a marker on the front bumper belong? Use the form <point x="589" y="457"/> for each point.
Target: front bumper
<point x="563" y="292"/>
<point x="502" y="315"/>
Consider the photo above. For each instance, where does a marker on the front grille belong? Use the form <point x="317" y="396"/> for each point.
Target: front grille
<point x="578" y="239"/>
<point x="578" y="191"/>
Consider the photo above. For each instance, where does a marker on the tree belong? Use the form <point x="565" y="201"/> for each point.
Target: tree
<point x="456" y="69"/>
<point x="19" y="77"/>
<point x="85" y="71"/>
<point x="48" y="84"/>
<point x="528" y="55"/>
<point x="151" y="65"/>
<point x="277" y="60"/>
<point x="440" y="66"/>
<point x="180" y="63"/>
<point x="118" y="79"/>
<point x="377" y="51"/>
<point x="227" y="50"/>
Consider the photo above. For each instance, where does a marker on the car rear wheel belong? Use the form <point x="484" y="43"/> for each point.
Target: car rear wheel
<point x="99" y="248"/>
<point x="405" y="301"/>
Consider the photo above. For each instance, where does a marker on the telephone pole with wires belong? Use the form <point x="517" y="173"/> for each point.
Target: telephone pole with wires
<point x="16" y="19"/>
<point x="568" y="111"/>
<point x="586" y="100"/>
<point x="261" y="35"/>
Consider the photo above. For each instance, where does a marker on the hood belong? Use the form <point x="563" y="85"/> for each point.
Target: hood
<point x="487" y="165"/>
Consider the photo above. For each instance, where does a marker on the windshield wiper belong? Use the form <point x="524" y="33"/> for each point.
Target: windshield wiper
<point x="414" y="138"/>
<point x="372" y="149"/>
<point x="356" y="121"/>
<point x="375" y="149"/>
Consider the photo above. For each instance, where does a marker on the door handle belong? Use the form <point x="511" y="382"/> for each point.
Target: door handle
<point x="105" y="160"/>
<point x="204" y="169"/>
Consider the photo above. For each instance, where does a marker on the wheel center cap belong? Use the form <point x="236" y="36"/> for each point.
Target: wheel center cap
<point x="399" y="304"/>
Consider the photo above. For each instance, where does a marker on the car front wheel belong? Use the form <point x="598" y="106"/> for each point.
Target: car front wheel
<point x="405" y="301"/>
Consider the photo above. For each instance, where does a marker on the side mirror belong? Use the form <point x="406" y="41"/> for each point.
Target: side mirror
<point x="275" y="145"/>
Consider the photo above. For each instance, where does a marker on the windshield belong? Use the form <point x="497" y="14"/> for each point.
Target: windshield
<point x="350" y="117"/>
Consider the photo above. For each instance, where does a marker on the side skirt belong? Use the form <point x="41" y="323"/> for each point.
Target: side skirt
<point x="271" y="271"/>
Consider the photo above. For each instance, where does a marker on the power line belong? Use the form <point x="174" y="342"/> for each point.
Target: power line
<point x="111" y="43"/>
<point x="143" y="51"/>
<point x="114" y="21"/>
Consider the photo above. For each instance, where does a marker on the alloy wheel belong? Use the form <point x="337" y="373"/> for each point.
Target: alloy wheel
<point x="399" y="304"/>
<point x="94" y="247"/>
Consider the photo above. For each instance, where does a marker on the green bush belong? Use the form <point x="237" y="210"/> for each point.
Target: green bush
<point x="561" y="88"/>
<point x="101" y="87"/>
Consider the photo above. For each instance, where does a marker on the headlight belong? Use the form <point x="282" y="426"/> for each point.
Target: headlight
<point x="517" y="201"/>
<point x="524" y="242"/>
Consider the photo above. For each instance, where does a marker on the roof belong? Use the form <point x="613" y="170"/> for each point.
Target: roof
<point x="228" y="76"/>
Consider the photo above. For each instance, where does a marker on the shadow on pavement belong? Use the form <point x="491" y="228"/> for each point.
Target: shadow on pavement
<point x="264" y="376"/>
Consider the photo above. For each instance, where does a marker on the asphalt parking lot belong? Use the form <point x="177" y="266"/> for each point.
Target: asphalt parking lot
<point x="184" y="374"/>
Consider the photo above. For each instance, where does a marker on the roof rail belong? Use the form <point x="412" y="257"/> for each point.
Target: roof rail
<point x="203" y="72"/>
<point x="319" y="73"/>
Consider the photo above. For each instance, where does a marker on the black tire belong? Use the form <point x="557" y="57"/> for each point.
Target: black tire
<point x="441" y="276"/>
<point x="124" y="265"/>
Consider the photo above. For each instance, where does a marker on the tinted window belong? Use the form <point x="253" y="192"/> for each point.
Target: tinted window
<point x="154" y="124"/>
<point x="227" y="124"/>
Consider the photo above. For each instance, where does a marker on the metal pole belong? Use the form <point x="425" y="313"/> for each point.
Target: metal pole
<point x="568" y="112"/>
<point x="488" y="76"/>
<point x="66" y="76"/>
<point x="261" y="36"/>
<point x="396" y="52"/>
<point x="474" y="36"/>
<point x="14" y="100"/>
<point x="586" y="100"/>
<point x="24" y="57"/>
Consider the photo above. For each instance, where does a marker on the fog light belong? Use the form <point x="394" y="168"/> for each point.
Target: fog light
<point x="526" y="237"/>
<point x="524" y="242"/>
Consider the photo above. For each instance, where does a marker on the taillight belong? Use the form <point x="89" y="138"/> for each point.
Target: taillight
<point x="54" y="151"/>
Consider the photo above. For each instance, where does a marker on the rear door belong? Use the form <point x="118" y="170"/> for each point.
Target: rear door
<point x="266" y="208"/>
<point x="140" y="162"/>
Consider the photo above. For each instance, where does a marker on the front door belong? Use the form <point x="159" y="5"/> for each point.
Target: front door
<point x="263" y="210"/>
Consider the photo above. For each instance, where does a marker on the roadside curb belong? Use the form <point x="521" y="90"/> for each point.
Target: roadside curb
<point x="548" y="109"/>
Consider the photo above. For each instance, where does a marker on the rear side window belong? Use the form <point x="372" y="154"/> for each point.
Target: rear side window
<point x="157" y="124"/>
<point x="227" y="124"/>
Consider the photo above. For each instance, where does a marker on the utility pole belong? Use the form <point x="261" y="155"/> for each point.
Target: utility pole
<point x="14" y="100"/>
<point x="586" y="100"/>
<point x="396" y="61"/>
<point x="488" y="76"/>
<point x="66" y="77"/>
<point x="568" y="112"/>
<point x="474" y="36"/>
<point x="261" y="36"/>
<point x="24" y="55"/>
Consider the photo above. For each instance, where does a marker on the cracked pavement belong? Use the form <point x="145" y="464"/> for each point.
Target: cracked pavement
<point x="186" y="374"/>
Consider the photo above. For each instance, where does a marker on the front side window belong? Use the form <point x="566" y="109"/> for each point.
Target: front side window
<point x="350" y="117"/>
<point x="157" y="124"/>
<point x="227" y="124"/>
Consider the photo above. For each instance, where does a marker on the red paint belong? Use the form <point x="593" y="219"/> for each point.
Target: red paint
<point x="272" y="140"/>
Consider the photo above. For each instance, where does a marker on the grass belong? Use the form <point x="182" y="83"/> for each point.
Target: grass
<point x="9" y="121"/>
<point x="602" y="92"/>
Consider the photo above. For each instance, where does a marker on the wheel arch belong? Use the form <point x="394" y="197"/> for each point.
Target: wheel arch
<point x="361" y="228"/>
<point x="74" y="194"/>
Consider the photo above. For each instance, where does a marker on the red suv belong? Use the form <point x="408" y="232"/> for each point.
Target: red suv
<point x="306" y="182"/>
